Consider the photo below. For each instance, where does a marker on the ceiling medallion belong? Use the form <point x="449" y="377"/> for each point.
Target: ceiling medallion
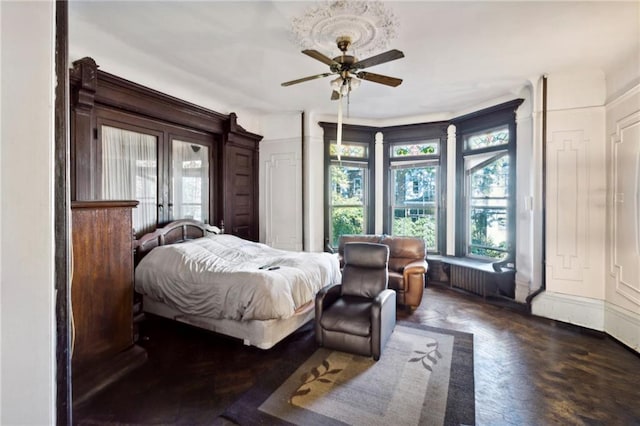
<point x="370" y="25"/>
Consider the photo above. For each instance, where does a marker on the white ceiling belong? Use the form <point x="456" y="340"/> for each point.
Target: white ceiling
<point x="457" y="54"/>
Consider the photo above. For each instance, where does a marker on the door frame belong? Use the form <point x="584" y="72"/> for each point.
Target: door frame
<point x="61" y="216"/>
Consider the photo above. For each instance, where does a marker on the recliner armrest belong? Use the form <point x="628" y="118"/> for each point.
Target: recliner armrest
<point x="416" y="267"/>
<point x="413" y="278"/>
<point x="383" y="299"/>
<point x="327" y="297"/>
<point x="383" y="320"/>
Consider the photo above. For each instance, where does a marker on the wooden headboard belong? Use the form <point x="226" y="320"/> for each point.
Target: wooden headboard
<point x="173" y="232"/>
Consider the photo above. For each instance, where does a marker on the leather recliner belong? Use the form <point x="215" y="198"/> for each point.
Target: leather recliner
<point x="358" y="315"/>
<point x="407" y="264"/>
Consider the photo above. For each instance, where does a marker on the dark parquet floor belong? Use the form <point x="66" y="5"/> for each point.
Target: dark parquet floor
<point x="528" y="371"/>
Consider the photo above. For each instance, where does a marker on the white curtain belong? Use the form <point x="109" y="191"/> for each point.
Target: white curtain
<point x="190" y="181"/>
<point x="130" y="172"/>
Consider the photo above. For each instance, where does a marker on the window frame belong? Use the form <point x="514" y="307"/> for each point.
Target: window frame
<point x="479" y="121"/>
<point x="351" y="134"/>
<point x="416" y="133"/>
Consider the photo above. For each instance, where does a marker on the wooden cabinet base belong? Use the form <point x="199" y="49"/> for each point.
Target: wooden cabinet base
<point x="87" y="384"/>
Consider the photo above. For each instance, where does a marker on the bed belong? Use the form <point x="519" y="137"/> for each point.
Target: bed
<point x="190" y="272"/>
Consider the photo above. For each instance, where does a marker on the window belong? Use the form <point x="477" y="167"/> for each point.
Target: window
<point x="487" y="189"/>
<point x="349" y="196"/>
<point x="414" y="180"/>
<point x="485" y="225"/>
<point x="414" y="206"/>
<point x="414" y="176"/>
<point x="348" y="206"/>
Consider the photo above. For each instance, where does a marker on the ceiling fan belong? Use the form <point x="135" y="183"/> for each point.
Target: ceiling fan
<point x="348" y="67"/>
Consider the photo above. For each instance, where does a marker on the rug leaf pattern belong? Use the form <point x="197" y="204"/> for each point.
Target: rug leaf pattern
<point x="314" y="375"/>
<point x="432" y="355"/>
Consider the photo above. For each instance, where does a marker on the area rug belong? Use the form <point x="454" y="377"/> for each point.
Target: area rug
<point x="424" y="377"/>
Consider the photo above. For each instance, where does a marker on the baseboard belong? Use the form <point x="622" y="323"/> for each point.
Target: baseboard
<point x="582" y="311"/>
<point x="522" y="290"/>
<point x="623" y="325"/>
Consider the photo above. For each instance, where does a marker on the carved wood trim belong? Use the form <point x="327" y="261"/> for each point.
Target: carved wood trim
<point x="238" y="136"/>
<point x="84" y="75"/>
<point x="103" y="204"/>
<point x="128" y="96"/>
<point x="125" y="95"/>
<point x="95" y="91"/>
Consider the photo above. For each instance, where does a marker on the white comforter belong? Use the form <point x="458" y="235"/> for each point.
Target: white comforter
<point x="220" y="277"/>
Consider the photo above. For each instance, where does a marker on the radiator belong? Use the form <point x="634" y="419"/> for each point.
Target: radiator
<point x="472" y="276"/>
<point x="482" y="280"/>
<point x="472" y="280"/>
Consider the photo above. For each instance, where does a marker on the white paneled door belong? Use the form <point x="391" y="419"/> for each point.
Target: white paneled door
<point x="281" y="193"/>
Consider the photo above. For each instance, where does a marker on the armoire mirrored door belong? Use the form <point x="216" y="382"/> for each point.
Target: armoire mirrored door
<point x="130" y="172"/>
<point x="189" y="194"/>
<point x="168" y="170"/>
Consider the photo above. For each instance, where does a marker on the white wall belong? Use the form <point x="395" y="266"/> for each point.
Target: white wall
<point x="26" y="216"/>
<point x="281" y="182"/>
<point x="625" y="76"/>
<point x="576" y="182"/>
<point x="314" y="183"/>
<point x="1" y="201"/>
<point x="622" y="261"/>
<point x="529" y="170"/>
<point x="593" y="236"/>
<point x="576" y="188"/>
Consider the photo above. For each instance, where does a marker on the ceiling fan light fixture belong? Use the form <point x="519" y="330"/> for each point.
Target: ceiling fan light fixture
<point x="348" y="67"/>
<point x="336" y="84"/>
<point x="345" y="85"/>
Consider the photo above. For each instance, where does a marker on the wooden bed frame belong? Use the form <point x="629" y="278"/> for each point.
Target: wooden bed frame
<point x="260" y="333"/>
<point x="172" y="233"/>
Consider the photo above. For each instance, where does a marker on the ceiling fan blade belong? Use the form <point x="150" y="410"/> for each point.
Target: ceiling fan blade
<point x="379" y="78"/>
<point x="391" y="55"/>
<point x="335" y="96"/>
<point x="302" y="80"/>
<point x="320" y="57"/>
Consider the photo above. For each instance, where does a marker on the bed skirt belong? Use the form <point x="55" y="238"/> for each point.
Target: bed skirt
<point x="262" y="334"/>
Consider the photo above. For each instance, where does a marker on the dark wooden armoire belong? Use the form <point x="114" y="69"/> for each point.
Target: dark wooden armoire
<point x="102" y="291"/>
<point x="102" y="295"/>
